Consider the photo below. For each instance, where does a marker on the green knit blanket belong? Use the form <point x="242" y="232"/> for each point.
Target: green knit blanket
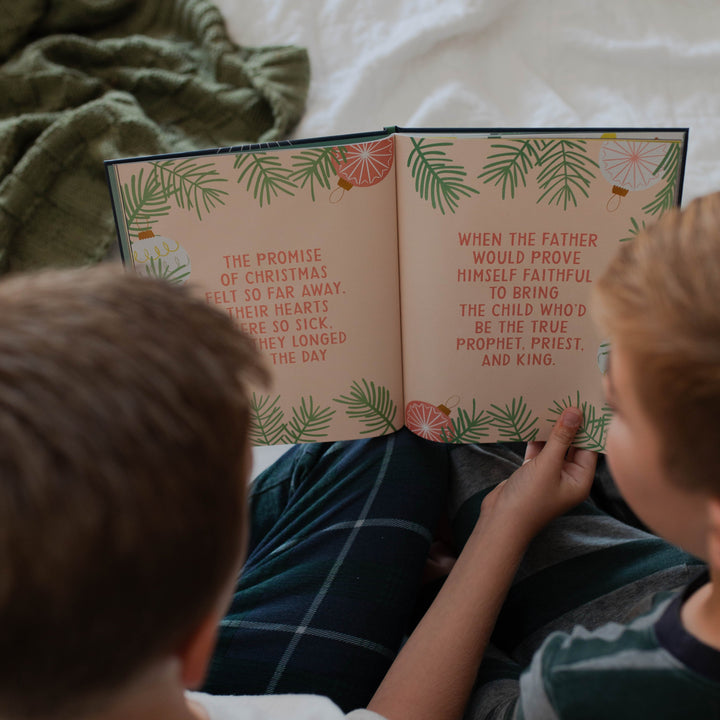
<point x="83" y="81"/>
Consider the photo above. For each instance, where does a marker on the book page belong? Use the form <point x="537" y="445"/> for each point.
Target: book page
<point x="299" y="246"/>
<point x="501" y="239"/>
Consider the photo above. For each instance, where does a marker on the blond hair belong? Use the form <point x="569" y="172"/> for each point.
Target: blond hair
<point x="124" y="410"/>
<point x="660" y="299"/>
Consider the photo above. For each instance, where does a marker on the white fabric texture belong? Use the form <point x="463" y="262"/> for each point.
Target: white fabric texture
<point x="275" y="707"/>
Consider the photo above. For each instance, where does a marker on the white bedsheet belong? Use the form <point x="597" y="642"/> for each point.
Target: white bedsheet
<point x="502" y="63"/>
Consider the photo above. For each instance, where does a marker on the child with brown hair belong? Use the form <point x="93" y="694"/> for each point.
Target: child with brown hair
<point x="124" y="414"/>
<point x="120" y="505"/>
<point x="124" y="411"/>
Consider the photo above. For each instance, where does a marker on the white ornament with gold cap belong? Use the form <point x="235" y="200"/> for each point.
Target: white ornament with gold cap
<point x="157" y="256"/>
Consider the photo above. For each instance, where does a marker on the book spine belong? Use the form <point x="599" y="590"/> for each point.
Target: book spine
<point x="117" y="207"/>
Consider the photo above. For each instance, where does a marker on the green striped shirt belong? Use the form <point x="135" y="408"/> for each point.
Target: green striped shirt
<point x="649" y="668"/>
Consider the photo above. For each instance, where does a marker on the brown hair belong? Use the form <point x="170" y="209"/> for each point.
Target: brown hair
<point x="124" y="410"/>
<point x="660" y="299"/>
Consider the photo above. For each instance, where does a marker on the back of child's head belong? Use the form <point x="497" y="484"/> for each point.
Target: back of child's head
<point x="660" y="300"/>
<point x="124" y="410"/>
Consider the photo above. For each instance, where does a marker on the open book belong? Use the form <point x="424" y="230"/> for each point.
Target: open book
<point x="437" y="279"/>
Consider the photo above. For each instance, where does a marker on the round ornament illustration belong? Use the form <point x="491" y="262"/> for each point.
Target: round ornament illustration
<point x="160" y="257"/>
<point x="361" y="165"/>
<point x="429" y="421"/>
<point x="630" y="165"/>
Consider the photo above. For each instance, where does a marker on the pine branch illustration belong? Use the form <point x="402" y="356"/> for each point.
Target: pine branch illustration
<point x="267" y="426"/>
<point x="436" y="177"/>
<point x="541" y="144"/>
<point x="191" y="185"/>
<point x="316" y="167"/>
<point x="265" y="176"/>
<point x="309" y="422"/>
<point x="144" y="201"/>
<point x="514" y="421"/>
<point x="565" y="172"/>
<point x="591" y="435"/>
<point x="510" y="165"/>
<point x="370" y="404"/>
<point x="633" y="230"/>
<point x="469" y="427"/>
<point x="161" y="270"/>
<point x="665" y="197"/>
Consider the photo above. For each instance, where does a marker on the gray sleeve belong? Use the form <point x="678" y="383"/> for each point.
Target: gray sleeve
<point x="497" y="688"/>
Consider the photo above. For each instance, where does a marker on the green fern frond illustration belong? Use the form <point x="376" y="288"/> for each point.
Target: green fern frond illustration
<point x="565" y="172"/>
<point x="144" y="200"/>
<point x="510" y="165"/>
<point x="191" y="184"/>
<point x="265" y="176"/>
<point x="316" y="167"/>
<point x="370" y="404"/>
<point x="633" y="230"/>
<point x="595" y="423"/>
<point x="162" y="270"/>
<point x="665" y="197"/>
<point x="468" y="427"/>
<point x="267" y="426"/>
<point x="514" y="421"/>
<point x="437" y="178"/>
<point x="309" y="422"/>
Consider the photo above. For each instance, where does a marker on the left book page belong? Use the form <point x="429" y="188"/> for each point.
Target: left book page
<point x="298" y="244"/>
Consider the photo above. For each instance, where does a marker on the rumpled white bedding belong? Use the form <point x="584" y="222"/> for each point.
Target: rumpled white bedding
<point x="502" y="63"/>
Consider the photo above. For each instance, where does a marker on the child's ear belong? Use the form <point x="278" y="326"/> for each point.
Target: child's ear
<point x="195" y="654"/>
<point x="713" y="542"/>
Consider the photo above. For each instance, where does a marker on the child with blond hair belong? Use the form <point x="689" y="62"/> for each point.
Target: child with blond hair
<point x="615" y="609"/>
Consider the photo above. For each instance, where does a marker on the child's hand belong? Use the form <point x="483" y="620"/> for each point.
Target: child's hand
<point x="554" y="478"/>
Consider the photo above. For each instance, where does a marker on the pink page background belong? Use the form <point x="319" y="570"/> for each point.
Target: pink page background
<point x="355" y="239"/>
<point x="437" y="373"/>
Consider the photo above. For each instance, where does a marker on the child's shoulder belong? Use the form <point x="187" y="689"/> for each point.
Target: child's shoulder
<point x="639" y="669"/>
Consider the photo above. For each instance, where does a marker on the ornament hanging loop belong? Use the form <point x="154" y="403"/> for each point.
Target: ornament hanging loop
<point x="618" y="193"/>
<point x="449" y="404"/>
<point x="337" y="194"/>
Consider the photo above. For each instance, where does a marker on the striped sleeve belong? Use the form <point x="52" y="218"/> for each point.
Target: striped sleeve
<point x="616" y="671"/>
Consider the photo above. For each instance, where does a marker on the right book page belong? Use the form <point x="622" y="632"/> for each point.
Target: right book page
<point x="501" y="238"/>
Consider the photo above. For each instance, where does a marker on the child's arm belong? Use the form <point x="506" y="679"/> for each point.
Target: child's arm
<point x="434" y="673"/>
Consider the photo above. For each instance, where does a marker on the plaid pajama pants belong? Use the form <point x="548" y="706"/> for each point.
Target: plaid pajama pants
<point x="339" y="537"/>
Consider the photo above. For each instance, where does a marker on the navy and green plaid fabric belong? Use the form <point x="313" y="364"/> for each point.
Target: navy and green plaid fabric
<point x="339" y="538"/>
